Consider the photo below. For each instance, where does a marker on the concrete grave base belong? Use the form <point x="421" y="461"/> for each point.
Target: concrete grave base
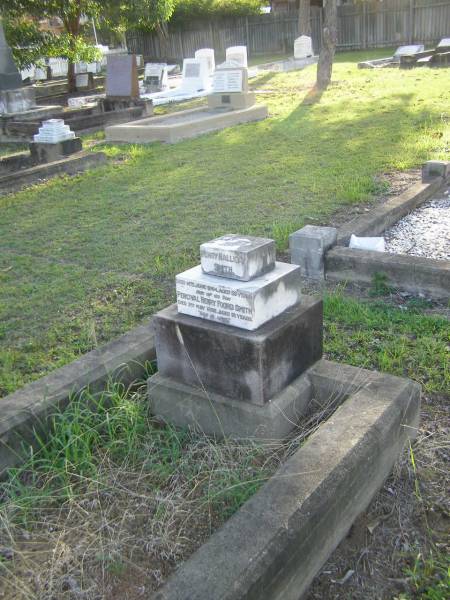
<point x="206" y="412"/>
<point x="45" y="153"/>
<point x="181" y="125"/>
<point x="247" y="366"/>
<point x="272" y="548"/>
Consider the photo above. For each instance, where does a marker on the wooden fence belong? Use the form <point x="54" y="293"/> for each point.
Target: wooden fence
<point x="370" y="24"/>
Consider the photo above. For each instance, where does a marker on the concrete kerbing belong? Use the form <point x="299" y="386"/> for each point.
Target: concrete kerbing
<point x="69" y="165"/>
<point x="272" y="548"/>
<point x="411" y="273"/>
<point x="123" y="360"/>
<point x="382" y="217"/>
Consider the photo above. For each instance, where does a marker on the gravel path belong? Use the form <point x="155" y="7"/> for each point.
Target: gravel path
<point x="424" y="232"/>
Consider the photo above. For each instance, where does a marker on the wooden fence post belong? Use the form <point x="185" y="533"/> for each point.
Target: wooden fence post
<point x="247" y="34"/>
<point x="412" y="24"/>
<point x="365" y="26"/>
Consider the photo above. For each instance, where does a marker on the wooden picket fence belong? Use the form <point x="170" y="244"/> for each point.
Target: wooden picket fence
<point x="364" y="25"/>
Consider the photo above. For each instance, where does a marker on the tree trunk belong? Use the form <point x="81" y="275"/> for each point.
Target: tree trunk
<point x="71" y="79"/>
<point x="304" y="17"/>
<point x="162" y="32"/>
<point x="329" y="39"/>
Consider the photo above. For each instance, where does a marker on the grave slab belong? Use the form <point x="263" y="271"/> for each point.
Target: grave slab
<point x="238" y="257"/>
<point x="243" y="304"/>
<point x="242" y="365"/>
<point x="185" y="124"/>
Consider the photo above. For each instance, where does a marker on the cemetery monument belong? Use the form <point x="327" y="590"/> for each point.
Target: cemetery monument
<point x="233" y="351"/>
<point x="54" y="141"/>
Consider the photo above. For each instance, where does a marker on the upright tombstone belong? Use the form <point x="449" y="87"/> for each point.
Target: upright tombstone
<point x="233" y="351"/>
<point x="237" y="54"/>
<point x="207" y="53"/>
<point x="195" y="77"/>
<point x="156" y="78"/>
<point x="13" y="97"/>
<point x="230" y="88"/>
<point x="54" y="141"/>
<point x="122" y="77"/>
<point x="303" y="47"/>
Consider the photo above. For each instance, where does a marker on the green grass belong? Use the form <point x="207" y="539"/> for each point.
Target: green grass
<point x="85" y="258"/>
<point x="120" y="494"/>
<point x="401" y="342"/>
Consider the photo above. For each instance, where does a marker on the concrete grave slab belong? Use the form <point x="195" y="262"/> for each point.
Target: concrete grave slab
<point x="186" y="124"/>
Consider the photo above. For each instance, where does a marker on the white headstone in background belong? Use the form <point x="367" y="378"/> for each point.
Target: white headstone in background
<point x="156" y="76"/>
<point x="80" y="67"/>
<point x="28" y="73"/>
<point x="407" y="50"/>
<point x="444" y="43"/>
<point x="237" y="54"/>
<point x="53" y="131"/>
<point x="207" y="53"/>
<point x="40" y="74"/>
<point x="195" y="74"/>
<point x="303" y="47"/>
<point x="227" y="81"/>
<point x="59" y="67"/>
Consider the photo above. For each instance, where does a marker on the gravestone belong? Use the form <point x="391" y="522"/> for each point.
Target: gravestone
<point x="121" y="76"/>
<point x="230" y="88"/>
<point x="156" y="78"/>
<point x="13" y="97"/>
<point x="53" y="131"/>
<point x="237" y="54"/>
<point x="84" y="81"/>
<point x="195" y="77"/>
<point x="207" y="53"/>
<point x="236" y="343"/>
<point x="10" y="78"/>
<point x="303" y="47"/>
<point x="54" y="141"/>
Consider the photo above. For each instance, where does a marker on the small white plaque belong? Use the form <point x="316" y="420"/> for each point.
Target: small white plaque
<point x="227" y="81"/>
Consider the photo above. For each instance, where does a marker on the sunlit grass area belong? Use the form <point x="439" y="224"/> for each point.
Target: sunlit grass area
<point x="83" y="259"/>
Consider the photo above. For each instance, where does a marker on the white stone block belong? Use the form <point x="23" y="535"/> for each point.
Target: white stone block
<point x="303" y="47"/>
<point x="243" y="304"/>
<point x="238" y="257"/>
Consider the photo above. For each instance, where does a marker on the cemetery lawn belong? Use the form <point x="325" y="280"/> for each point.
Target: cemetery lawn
<point x="85" y="258"/>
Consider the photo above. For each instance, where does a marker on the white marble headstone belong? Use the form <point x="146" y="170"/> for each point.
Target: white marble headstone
<point x="195" y="75"/>
<point x="53" y="131"/>
<point x="207" y="53"/>
<point x="237" y="54"/>
<point x="444" y="43"/>
<point x="303" y="47"/>
<point x="156" y="75"/>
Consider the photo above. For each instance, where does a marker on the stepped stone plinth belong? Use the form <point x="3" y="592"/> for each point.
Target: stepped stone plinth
<point x="241" y="337"/>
